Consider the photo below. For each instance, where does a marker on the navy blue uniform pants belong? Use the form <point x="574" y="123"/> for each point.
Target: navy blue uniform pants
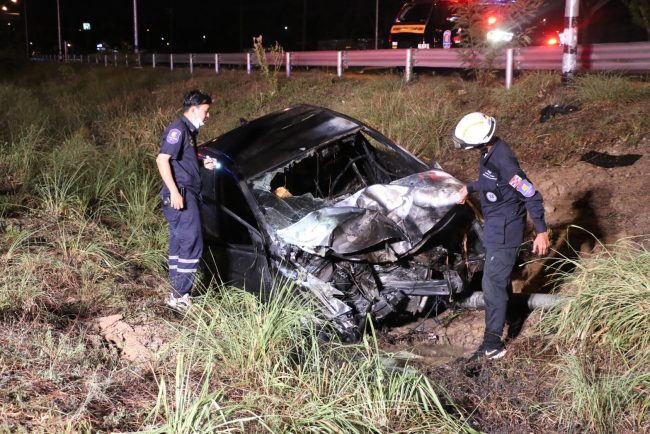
<point x="496" y="286"/>
<point x="185" y="244"/>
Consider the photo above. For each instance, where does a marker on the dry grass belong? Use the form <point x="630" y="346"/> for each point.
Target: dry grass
<point x="81" y="236"/>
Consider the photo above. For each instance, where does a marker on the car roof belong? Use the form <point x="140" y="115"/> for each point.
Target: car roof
<point x="271" y="140"/>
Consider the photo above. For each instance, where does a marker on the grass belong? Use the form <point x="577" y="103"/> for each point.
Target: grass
<point x="609" y="87"/>
<point x="603" y="332"/>
<point x="82" y="236"/>
<point x="274" y="375"/>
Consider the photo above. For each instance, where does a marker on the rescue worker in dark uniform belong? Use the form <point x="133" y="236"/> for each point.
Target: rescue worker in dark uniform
<point x="179" y="165"/>
<point x="506" y="195"/>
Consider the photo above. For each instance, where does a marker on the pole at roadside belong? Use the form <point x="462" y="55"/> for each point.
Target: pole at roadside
<point x="570" y="41"/>
<point x="58" y="21"/>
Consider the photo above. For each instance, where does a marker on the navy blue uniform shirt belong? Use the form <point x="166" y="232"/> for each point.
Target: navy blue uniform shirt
<point x="179" y="141"/>
<point x="506" y="194"/>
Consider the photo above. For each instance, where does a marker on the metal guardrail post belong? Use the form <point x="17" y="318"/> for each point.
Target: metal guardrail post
<point x="139" y="59"/>
<point x="153" y="60"/>
<point x="126" y="60"/>
<point x="115" y="59"/>
<point x="96" y="59"/>
<point x="408" y="72"/>
<point x="249" y="65"/>
<point x="191" y="64"/>
<point x="288" y="63"/>
<point x="339" y="64"/>
<point x="509" y="66"/>
<point x="105" y="60"/>
<point x="171" y="62"/>
<point x="216" y="63"/>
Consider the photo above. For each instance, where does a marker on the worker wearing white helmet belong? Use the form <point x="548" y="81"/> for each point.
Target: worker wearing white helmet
<point x="506" y="195"/>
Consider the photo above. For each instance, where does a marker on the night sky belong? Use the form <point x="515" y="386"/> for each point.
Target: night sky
<point x="228" y="26"/>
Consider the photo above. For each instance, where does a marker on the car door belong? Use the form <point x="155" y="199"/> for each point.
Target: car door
<point x="234" y="247"/>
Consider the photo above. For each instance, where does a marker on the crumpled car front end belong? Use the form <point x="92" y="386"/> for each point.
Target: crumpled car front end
<point x="368" y="233"/>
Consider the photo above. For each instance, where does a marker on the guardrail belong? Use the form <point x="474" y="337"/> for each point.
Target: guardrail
<point x="628" y="57"/>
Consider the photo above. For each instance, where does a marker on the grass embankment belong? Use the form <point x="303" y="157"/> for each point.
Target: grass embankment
<point x="603" y="337"/>
<point x="81" y="237"/>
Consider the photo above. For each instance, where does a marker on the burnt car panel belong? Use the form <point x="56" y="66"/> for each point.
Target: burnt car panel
<point x="359" y="223"/>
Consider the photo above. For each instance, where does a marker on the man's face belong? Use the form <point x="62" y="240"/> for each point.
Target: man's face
<point x="201" y="112"/>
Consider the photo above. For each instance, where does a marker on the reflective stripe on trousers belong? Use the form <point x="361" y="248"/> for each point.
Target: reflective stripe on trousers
<point x="185" y="244"/>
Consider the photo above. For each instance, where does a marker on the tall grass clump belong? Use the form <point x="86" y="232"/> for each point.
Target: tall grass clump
<point x="609" y="87"/>
<point x="603" y="330"/>
<point x="277" y="376"/>
<point x="417" y="117"/>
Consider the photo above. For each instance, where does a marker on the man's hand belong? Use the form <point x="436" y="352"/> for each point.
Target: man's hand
<point x="208" y="163"/>
<point x="541" y="244"/>
<point x="176" y="200"/>
<point x="463" y="195"/>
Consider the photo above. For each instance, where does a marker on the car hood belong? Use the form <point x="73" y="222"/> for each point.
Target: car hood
<point x="381" y="222"/>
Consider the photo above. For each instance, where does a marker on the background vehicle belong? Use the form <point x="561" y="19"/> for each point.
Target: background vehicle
<point x="423" y="23"/>
<point x="361" y="225"/>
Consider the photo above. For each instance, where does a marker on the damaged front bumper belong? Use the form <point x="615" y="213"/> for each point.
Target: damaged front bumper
<point x="385" y="249"/>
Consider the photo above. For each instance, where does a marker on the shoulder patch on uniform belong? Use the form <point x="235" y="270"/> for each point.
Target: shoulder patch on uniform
<point x="526" y="188"/>
<point x="515" y="181"/>
<point x="173" y="136"/>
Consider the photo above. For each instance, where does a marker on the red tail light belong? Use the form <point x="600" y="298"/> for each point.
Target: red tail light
<point x="552" y="41"/>
<point x="491" y="20"/>
<point x="456" y="39"/>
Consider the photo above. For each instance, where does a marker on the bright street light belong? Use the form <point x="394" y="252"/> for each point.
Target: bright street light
<point x="4" y="8"/>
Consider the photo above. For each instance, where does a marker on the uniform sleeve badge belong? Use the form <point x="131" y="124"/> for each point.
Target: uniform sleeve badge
<point x="515" y="181"/>
<point x="526" y="188"/>
<point x="173" y="136"/>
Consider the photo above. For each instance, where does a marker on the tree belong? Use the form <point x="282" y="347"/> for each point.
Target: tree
<point x="640" y="12"/>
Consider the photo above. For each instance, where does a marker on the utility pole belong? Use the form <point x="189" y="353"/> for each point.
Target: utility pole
<point x="26" y="31"/>
<point x="135" y="27"/>
<point x="304" y="23"/>
<point x="376" y="24"/>
<point x="570" y="41"/>
<point x="58" y="21"/>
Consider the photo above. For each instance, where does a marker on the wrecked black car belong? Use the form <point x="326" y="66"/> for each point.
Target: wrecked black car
<point x="361" y="226"/>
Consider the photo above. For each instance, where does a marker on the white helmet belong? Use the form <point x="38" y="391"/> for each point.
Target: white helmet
<point x="474" y="129"/>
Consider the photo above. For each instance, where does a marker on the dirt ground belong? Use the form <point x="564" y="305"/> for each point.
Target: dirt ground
<point x="608" y="204"/>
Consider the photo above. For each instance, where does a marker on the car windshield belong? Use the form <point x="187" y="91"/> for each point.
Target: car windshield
<point x="326" y="175"/>
<point x="414" y="13"/>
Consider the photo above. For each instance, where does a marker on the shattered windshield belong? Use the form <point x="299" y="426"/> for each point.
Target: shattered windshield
<point x="327" y="175"/>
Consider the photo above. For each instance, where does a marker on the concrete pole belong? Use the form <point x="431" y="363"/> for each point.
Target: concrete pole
<point x="249" y="64"/>
<point x="191" y="64"/>
<point x="569" y="56"/>
<point x="171" y="61"/>
<point x="153" y="60"/>
<point x="58" y="21"/>
<point x="509" y="66"/>
<point x="136" y="48"/>
<point x="29" y="51"/>
<point x="288" y="63"/>
<point x="408" y="71"/>
<point x="216" y="63"/>
<point x="376" y="24"/>
<point x="339" y="64"/>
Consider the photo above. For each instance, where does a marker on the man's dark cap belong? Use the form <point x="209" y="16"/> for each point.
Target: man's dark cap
<point x="196" y="97"/>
